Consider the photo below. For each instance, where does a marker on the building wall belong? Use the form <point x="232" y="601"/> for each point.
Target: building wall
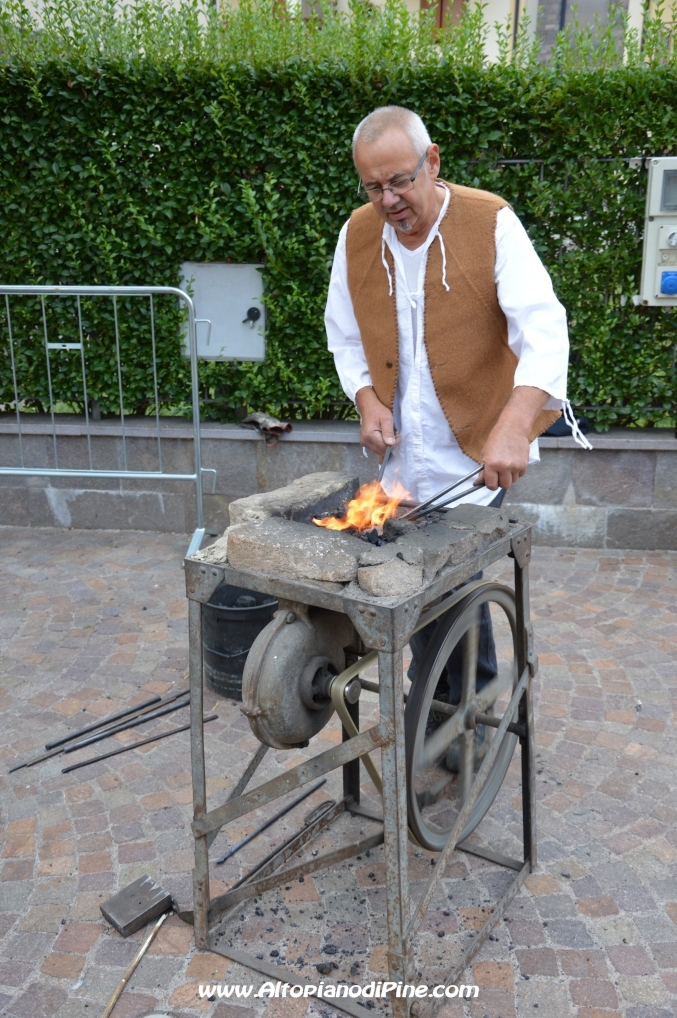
<point x="623" y="494"/>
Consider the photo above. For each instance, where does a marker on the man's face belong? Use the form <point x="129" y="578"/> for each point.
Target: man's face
<point x="392" y="157"/>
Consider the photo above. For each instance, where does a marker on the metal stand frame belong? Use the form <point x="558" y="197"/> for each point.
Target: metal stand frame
<point x="386" y="627"/>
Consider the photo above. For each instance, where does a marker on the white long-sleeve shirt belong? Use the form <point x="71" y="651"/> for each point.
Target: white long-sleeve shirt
<point x="428" y="456"/>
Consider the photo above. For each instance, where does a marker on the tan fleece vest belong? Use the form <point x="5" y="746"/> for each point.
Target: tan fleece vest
<point x="465" y="330"/>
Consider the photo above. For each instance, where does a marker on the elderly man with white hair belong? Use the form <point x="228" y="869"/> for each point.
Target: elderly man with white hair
<point x="445" y="330"/>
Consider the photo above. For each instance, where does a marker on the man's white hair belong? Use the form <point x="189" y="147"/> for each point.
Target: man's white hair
<point x="383" y="118"/>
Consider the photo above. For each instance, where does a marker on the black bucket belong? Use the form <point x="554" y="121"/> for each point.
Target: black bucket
<point x="231" y="620"/>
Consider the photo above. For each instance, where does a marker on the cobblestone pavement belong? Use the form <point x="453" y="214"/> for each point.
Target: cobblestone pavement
<point x="93" y="620"/>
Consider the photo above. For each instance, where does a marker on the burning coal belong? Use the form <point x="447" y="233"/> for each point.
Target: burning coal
<point x="370" y="508"/>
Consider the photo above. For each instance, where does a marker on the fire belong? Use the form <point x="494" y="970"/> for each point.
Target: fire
<point x="370" y="508"/>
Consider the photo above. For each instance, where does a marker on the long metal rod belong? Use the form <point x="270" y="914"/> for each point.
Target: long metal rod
<point x="84" y="385"/>
<point x="126" y="726"/>
<point x="104" y="721"/>
<point x="292" y="845"/>
<point x="120" y="392"/>
<point x="199" y="777"/>
<point x="132" y="966"/>
<point x="155" y="388"/>
<point x="49" y="379"/>
<point x="133" y="745"/>
<point x="448" y="501"/>
<point x="450" y="487"/>
<point x="270" y="821"/>
<point x="36" y="759"/>
<point x="135" y="475"/>
<point x="395" y="825"/>
<point x="14" y="381"/>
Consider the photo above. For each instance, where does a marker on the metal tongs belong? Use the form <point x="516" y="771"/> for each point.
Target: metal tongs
<point x="384" y="461"/>
<point x="431" y="505"/>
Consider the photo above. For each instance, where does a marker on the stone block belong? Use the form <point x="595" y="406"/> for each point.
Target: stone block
<point x="282" y="547"/>
<point x="569" y="526"/>
<point x="547" y="481"/>
<point x="642" y="528"/>
<point x="308" y="496"/>
<point x="13" y="506"/>
<point x="108" y="510"/>
<point x="606" y="478"/>
<point x="391" y="578"/>
<point x="665" y="483"/>
<point x="492" y="522"/>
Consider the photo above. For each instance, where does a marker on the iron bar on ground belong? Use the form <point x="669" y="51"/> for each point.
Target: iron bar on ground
<point x="270" y="821"/>
<point x="134" y="745"/>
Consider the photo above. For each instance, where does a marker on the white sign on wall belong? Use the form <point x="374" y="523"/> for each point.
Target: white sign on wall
<point x="228" y="308"/>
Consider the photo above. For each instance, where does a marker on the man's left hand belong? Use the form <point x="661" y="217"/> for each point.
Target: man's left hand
<point x="506" y="451"/>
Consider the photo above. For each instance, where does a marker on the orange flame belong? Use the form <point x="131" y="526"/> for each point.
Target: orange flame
<point x="370" y="508"/>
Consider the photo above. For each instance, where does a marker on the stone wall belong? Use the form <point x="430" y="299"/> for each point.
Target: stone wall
<point x="623" y="494"/>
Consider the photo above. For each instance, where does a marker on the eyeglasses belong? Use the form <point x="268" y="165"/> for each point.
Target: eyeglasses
<point x="396" y="187"/>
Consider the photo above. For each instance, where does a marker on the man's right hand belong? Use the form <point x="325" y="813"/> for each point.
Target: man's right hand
<point x="378" y="428"/>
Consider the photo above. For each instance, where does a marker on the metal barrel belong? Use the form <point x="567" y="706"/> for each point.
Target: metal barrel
<point x="231" y="620"/>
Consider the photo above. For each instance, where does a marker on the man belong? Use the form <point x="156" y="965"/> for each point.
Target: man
<point x="444" y="328"/>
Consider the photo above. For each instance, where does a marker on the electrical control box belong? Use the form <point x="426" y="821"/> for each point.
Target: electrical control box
<point x="659" y="262"/>
<point x="229" y="311"/>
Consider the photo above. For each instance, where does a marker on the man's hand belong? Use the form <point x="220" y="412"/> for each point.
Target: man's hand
<point x="378" y="428"/>
<point x="506" y="451"/>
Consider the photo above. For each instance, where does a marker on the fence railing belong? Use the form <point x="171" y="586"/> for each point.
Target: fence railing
<point x="72" y="338"/>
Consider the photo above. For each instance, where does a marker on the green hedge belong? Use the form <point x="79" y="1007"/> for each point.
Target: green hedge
<point x="132" y="142"/>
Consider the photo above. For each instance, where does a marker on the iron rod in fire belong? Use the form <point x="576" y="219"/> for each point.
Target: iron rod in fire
<point x="271" y="820"/>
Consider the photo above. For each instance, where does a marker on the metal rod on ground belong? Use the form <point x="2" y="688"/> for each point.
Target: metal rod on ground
<point x="129" y="724"/>
<point x="133" y="745"/>
<point x="323" y="808"/>
<point x="37" y="759"/>
<point x="271" y="820"/>
<point x="140" y="709"/>
<point x="130" y="971"/>
<point x="413" y="513"/>
<point x="103" y="722"/>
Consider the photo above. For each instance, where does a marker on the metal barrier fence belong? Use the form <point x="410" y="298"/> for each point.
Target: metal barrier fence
<point x="59" y="344"/>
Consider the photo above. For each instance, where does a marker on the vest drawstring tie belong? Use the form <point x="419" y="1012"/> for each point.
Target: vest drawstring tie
<point x="576" y="432"/>
<point x="444" y="262"/>
<point x="385" y="264"/>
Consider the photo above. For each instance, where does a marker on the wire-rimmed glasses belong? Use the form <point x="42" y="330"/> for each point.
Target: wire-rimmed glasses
<point x="399" y="186"/>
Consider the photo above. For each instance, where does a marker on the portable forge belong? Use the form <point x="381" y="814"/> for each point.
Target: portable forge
<point x="345" y="603"/>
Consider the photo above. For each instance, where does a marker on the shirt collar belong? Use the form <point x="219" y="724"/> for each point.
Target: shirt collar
<point x="392" y="240"/>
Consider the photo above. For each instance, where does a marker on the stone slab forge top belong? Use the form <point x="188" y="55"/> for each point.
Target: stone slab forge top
<point x="272" y="534"/>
